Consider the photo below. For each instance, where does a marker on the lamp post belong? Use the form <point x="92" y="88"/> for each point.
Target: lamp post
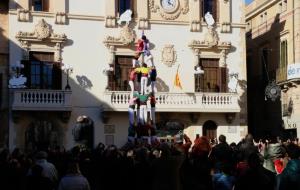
<point x="68" y="69"/>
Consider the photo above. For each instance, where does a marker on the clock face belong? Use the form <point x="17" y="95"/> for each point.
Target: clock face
<point x="168" y="5"/>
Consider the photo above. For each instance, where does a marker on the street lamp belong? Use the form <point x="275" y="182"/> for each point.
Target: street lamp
<point x="68" y="69"/>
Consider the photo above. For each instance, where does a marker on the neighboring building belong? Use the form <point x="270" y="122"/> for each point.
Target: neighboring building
<point x="273" y="45"/>
<point x="86" y="36"/>
<point x="4" y="56"/>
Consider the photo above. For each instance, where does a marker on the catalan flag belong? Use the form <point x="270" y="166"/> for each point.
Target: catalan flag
<point x="177" y="80"/>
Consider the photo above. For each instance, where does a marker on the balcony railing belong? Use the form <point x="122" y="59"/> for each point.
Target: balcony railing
<point x="41" y="100"/>
<point x="179" y="102"/>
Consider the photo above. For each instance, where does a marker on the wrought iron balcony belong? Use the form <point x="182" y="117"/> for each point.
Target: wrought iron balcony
<point x="41" y="100"/>
<point x="179" y="102"/>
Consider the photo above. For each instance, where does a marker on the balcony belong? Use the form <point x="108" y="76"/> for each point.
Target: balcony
<point x="179" y="102"/>
<point x="41" y="100"/>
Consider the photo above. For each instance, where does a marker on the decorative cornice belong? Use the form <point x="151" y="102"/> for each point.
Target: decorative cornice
<point x="184" y="9"/>
<point x="41" y="32"/>
<point x="197" y="44"/>
<point x="126" y="37"/>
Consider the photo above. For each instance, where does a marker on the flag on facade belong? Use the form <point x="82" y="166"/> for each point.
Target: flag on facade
<point x="177" y="80"/>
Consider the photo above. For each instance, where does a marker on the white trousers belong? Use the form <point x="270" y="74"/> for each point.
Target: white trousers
<point x="153" y="86"/>
<point x="143" y="114"/>
<point x="144" y="81"/>
<point x="152" y="115"/>
<point x="131" y="85"/>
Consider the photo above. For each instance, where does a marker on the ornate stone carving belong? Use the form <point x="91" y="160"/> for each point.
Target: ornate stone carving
<point x="143" y="23"/>
<point x="110" y="21"/>
<point x="182" y="8"/>
<point x="152" y="6"/>
<point x="23" y="15"/>
<point x="127" y="36"/>
<point x="225" y="27"/>
<point x="60" y="18"/>
<point x="42" y="30"/>
<point x="222" y="60"/>
<point x="211" y="37"/>
<point x="169" y="55"/>
<point x="195" y="26"/>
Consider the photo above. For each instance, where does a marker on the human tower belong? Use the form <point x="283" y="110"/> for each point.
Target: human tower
<point x="142" y="81"/>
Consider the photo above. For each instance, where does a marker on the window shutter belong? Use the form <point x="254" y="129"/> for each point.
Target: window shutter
<point x="46" y="5"/>
<point x="26" y="72"/>
<point x="56" y="76"/>
<point x="223" y="77"/>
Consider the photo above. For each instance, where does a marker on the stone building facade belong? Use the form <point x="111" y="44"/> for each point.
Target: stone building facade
<point x="4" y="57"/>
<point x="273" y="54"/>
<point x="47" y="36"/>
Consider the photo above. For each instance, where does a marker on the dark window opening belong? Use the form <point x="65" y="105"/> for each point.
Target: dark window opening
<point x="124" y="5"/>
<point x="210" y="6"/>
<point x="40" y="5"/>
<point x="119" y="79"/>
<point x="42" y="72"/>
<point x="214" y="78"/>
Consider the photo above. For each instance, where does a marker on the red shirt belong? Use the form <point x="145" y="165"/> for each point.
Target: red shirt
<point x="132" y="75"/>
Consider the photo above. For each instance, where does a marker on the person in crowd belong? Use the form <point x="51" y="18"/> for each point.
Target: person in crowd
<point x="272" y="153"/>
<point x="221" y="155"/>
<point x="73" y="180"/>
<point x="49" y="170"/>
<point x="255" y="176"/>
<point x="36" y="181"/>
<point x="290" y="176"/>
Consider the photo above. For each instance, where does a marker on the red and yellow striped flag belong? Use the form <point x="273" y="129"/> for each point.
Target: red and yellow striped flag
<point x="177" y="80"/>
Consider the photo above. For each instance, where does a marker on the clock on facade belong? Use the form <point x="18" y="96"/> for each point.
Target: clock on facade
<point x="169" y="5"/>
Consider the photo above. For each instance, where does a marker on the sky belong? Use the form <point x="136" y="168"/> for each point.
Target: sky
<point x="248" y="1"/>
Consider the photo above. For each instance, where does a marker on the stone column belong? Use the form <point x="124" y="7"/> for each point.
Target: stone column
<point x="23" y="11"/>
<point x="110" y="13"/>
<point x="59" y="8"/>
<point x="297" y="30"/>
<point x="143" y="12"/>
<point x="195" y="16"/>
<point x="224" y="15"/>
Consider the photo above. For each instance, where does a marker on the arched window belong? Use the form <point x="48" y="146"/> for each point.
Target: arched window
<point x="210" y="6"/>
<point x="210" y="129"/>
<point x="83" y="131"/>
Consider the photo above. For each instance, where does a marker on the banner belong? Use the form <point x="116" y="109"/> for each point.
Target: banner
<point x="293" y="71"/>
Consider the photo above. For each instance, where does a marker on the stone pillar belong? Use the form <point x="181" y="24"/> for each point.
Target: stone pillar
<point x="110" y="13"/>
<point x="297" y="30"/>
<point x="195" y="16"/>
<point x="224" y="15"/>
<point x="142" y="13"/>
<point x="59" y="8"/>
<point x="23" y="4"/>
<point x="23" y="11"/>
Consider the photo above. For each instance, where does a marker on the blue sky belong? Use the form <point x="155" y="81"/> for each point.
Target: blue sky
<point x="248" y="1"/>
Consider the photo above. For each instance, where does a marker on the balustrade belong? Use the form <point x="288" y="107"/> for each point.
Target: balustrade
<point x="182" y="102"/>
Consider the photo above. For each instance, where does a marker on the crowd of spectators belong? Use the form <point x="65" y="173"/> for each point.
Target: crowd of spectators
<point x="178" y="165"/>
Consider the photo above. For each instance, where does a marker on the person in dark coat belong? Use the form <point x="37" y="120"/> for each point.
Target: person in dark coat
<point x="289" y="179"/>
<point x="256" y="176"/>
<point x="221" y="155"/>
<point x="37" y="182"/>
